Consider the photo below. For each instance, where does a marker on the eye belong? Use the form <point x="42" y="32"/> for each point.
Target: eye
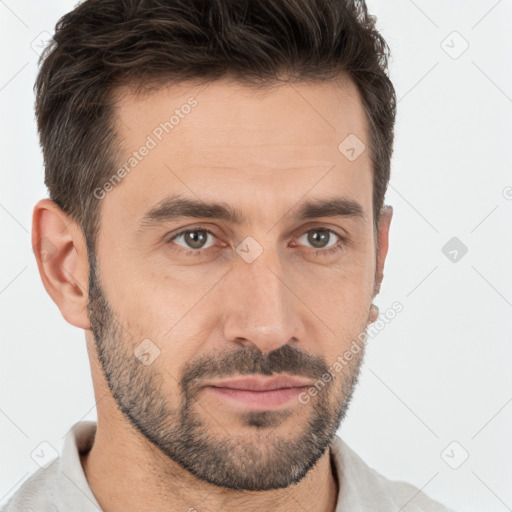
<point x="194" y="238"/>
<point x="318" y="237"/>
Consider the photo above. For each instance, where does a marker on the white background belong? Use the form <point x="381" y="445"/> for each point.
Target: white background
<point x="439" y="372"/>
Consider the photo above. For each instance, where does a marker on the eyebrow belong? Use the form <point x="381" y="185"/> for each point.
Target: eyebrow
<point x="178" y="207"/>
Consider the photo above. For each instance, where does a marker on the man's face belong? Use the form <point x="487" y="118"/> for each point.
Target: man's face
<point x="177" y="303"/>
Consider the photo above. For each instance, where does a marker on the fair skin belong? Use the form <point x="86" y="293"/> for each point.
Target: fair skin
<point x="210" y="314"/>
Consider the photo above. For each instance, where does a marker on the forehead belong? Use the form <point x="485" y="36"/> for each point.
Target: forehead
<point x="230" y="115"/>
<point x="223" y="140"/>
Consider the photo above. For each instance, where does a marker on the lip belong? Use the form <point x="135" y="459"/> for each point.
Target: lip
<point x="257" y="393"/>
<point x="262" y="384"/>
<point x="257" y="400"/>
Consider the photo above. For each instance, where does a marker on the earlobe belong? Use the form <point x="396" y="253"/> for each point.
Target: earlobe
<point x="384" y="223"/>
<point x="61" y="255"/>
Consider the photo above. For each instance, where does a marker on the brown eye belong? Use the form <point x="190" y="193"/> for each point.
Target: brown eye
<point x="319" y="238"/>
<point x="193" y="238"/>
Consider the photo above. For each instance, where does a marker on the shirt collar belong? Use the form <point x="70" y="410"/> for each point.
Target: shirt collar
<point x="79" y="496"/>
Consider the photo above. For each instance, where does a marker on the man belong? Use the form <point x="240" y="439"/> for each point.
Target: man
<point x="217" y="172"/>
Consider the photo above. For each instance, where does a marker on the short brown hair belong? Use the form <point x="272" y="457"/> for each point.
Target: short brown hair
<point x="103" y="44"/>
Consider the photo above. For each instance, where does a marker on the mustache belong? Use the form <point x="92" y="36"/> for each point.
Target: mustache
<point x="252" y="362"/>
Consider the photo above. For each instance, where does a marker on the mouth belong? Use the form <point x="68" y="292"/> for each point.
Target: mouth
<point x="257" y="399"/>
<point x="259" y="394"/>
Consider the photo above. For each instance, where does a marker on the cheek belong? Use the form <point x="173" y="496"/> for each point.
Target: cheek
<point x="177" y="317"/>
<point x="342" y="303"/>
<point x="344" y="289"/>
<point x="148" y="296"/>
<point x="359" y="276"/>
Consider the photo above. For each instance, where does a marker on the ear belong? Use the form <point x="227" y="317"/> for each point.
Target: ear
<point x="383" y="235"/>
<point x="61" y="254"/>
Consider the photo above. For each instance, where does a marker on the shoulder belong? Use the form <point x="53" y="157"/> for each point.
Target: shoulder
<point x="364" y="487"/>
<point x="37" y="493"/>
<point x="409" y="498"/>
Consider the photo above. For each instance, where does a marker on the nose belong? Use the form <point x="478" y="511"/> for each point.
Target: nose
<point x="261" y="308"/>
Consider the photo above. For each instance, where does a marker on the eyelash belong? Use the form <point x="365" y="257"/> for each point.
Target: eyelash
<point x="198" y="252"/>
